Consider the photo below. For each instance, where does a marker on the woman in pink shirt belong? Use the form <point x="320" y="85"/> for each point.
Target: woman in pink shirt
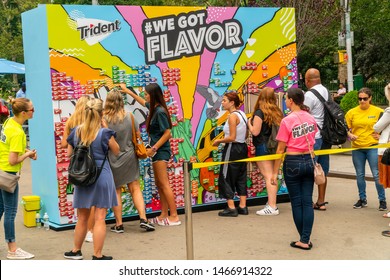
<point x="296" y="137"/>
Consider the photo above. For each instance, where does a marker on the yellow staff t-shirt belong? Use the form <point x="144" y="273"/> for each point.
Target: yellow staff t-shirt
<point x="12" y="139"/>
<point x="361" y="123"/>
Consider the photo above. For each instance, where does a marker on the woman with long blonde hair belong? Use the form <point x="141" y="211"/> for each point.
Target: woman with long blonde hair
<point x="74" y="120"/>
<point x="124" y="166"/>
<point x="101" y="194"/>
<point x="265" y="113"/>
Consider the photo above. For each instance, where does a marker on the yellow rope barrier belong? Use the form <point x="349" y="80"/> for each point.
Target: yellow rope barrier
<point x="197" y="165"/>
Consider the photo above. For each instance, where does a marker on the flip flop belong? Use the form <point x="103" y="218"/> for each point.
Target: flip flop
<point x="167" y="222"/>
<point x="387" y="215"/>
<point x="154" y="220"/>
<point x="294" y="245"/>
<point x="317" y="206"/>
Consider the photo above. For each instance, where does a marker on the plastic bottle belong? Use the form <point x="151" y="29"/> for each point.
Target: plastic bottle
<point x="38" y="220"/>
<point x="46" y="221"/>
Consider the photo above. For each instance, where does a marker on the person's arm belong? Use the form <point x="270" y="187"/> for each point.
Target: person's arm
<point x="70" y="150"/>
<point x="164" y="138"/>
<point x="309" y="102"/>
<point x="232" y="120"/>
<point x="279" y="150"/>
<point x="256" y="127"/>
<point x="137" y="98"/>
<point x="113" y="146"/>
<point x="14" y="157"/>
<point x="348" y="120"/>
<point x="383" y="122"/>
<point x="65" y="135"/>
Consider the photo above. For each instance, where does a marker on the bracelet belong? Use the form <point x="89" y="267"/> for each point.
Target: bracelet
<point x="154" y="149"/>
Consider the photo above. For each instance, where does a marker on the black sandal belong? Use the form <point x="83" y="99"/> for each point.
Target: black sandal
<point x="294" y="245"/>
<point x="317" y="206"/>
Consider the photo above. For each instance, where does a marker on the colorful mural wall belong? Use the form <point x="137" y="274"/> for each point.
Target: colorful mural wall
<point x="195" y="53"/>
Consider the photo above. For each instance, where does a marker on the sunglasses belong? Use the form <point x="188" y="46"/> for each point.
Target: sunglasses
<point x="363" y="98"/>
<point x="31" y="110"/>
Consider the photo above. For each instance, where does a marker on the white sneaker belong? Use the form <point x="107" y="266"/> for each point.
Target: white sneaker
<point x="268" y="211"/>
<point x="19" y="254"/>
<point x="89" y="237"/>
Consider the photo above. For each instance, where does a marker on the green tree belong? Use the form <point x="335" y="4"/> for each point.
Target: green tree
<point x="370" y="22"/>
<point x="11" y="46"/>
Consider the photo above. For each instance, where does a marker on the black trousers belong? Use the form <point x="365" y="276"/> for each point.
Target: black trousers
<point x="232" y="176"/>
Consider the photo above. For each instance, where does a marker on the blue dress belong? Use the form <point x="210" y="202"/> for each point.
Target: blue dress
<point x="101" y="194"/>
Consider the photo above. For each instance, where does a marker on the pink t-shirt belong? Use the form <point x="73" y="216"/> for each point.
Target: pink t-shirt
<point x="292" y="131"/>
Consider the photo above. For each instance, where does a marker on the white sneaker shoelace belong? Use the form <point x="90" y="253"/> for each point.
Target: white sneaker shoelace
<point x="19" y="254"/>
<point x="268" y="211"/>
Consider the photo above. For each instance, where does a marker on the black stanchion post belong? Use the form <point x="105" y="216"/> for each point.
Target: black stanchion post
<point x="188" y="211"/>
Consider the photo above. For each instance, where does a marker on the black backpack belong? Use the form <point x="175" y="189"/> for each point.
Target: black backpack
<point x="82" y="170"/>
<point x="334" y="130"/>
<point x="272" y="143"/>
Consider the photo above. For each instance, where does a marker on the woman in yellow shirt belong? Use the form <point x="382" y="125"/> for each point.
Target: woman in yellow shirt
<point x="13" y="152"/>
<point x="360" y="121"/>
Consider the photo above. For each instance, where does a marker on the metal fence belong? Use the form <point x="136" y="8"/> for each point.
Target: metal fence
<point x="378" y="92"/>
<point x="377" y="87"/>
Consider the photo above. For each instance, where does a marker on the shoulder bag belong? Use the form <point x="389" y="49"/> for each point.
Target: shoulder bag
<point x="139" y="147"/>
<point x="319" y="174"/>
<point x="8" y="181"/>
<point x="386" y="157"/>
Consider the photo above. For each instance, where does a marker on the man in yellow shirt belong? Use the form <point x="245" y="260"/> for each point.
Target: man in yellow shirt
<point x="360" y="121"/>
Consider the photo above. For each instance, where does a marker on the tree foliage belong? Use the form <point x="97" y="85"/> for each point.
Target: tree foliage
<point x="370" y="21"/>
<point x="313" y="17"/>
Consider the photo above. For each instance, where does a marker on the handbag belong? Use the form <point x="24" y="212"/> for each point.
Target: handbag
<point x="3" y="109"/>
<point x="8" y="181"/>
<point x="139" y="147"/>
<point x="386" y="157"/>
<point x="319" y="174"/>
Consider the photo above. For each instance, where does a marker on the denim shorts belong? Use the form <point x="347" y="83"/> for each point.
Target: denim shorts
<point x="261" y="150"/>
<point x="162" y="155"/>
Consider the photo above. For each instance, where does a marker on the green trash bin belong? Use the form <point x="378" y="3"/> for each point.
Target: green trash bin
<point x="357" y="81"/>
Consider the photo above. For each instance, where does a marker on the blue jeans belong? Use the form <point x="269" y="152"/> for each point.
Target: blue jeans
<point x="359" y="158"/>
<point x="9" y="207"/>
<point x="323" y="159"/>
<point x="298" y="174"/>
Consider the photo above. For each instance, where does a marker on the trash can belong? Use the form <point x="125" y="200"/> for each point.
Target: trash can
<point x="31" y="204"/>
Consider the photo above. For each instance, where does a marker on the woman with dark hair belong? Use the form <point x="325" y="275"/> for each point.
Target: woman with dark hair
<point x="12" y="154"/>
<point x="158" y="126"/>
<point x="232" y="176"/>
<point x="265" y="113"/>
<point x="296" y="136"/>
<point x="361" y="121"/>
